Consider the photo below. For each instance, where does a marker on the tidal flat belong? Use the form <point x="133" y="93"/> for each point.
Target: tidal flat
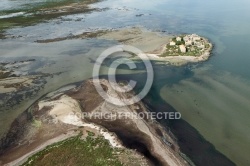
<point x="212" y="96"/>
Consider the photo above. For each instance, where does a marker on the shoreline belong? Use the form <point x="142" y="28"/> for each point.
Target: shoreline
<point x="141" y="131"/>
<point x="25" y="157"/>
<point x="192" y="59"/>
<point x="69" y="134"/>
<point x="178" y="136"/>
<point x="191" y="142"/>
<point x="180" y="60"/>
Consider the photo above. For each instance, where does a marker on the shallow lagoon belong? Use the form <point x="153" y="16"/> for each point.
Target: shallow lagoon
<point x="215" y="100"/>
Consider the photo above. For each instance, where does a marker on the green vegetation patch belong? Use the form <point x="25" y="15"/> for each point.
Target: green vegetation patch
<point x="33" y="14"/>
<point x="175" y="51"/>
<point x="191" y="50"/>
<point x="178" y="42"/>
<point x="77" y="151"/>
<point x="37" y="123"/>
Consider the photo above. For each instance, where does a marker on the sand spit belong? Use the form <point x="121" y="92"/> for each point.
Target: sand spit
<point x="140" y="131"/>
<point x="68" y="111"/>
<point x="147" y="41"/>
<point x="58" y="117"/>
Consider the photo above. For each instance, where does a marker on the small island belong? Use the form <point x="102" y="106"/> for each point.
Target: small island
<point x="165" y="49"/>
<point x="187" y="45"/>
<point x="183" y="49"/>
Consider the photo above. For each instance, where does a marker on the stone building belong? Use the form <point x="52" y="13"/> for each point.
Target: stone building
<point x="172" y="43"/>
<point x="178" y="39"/>
<point x="183" y="49"/>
